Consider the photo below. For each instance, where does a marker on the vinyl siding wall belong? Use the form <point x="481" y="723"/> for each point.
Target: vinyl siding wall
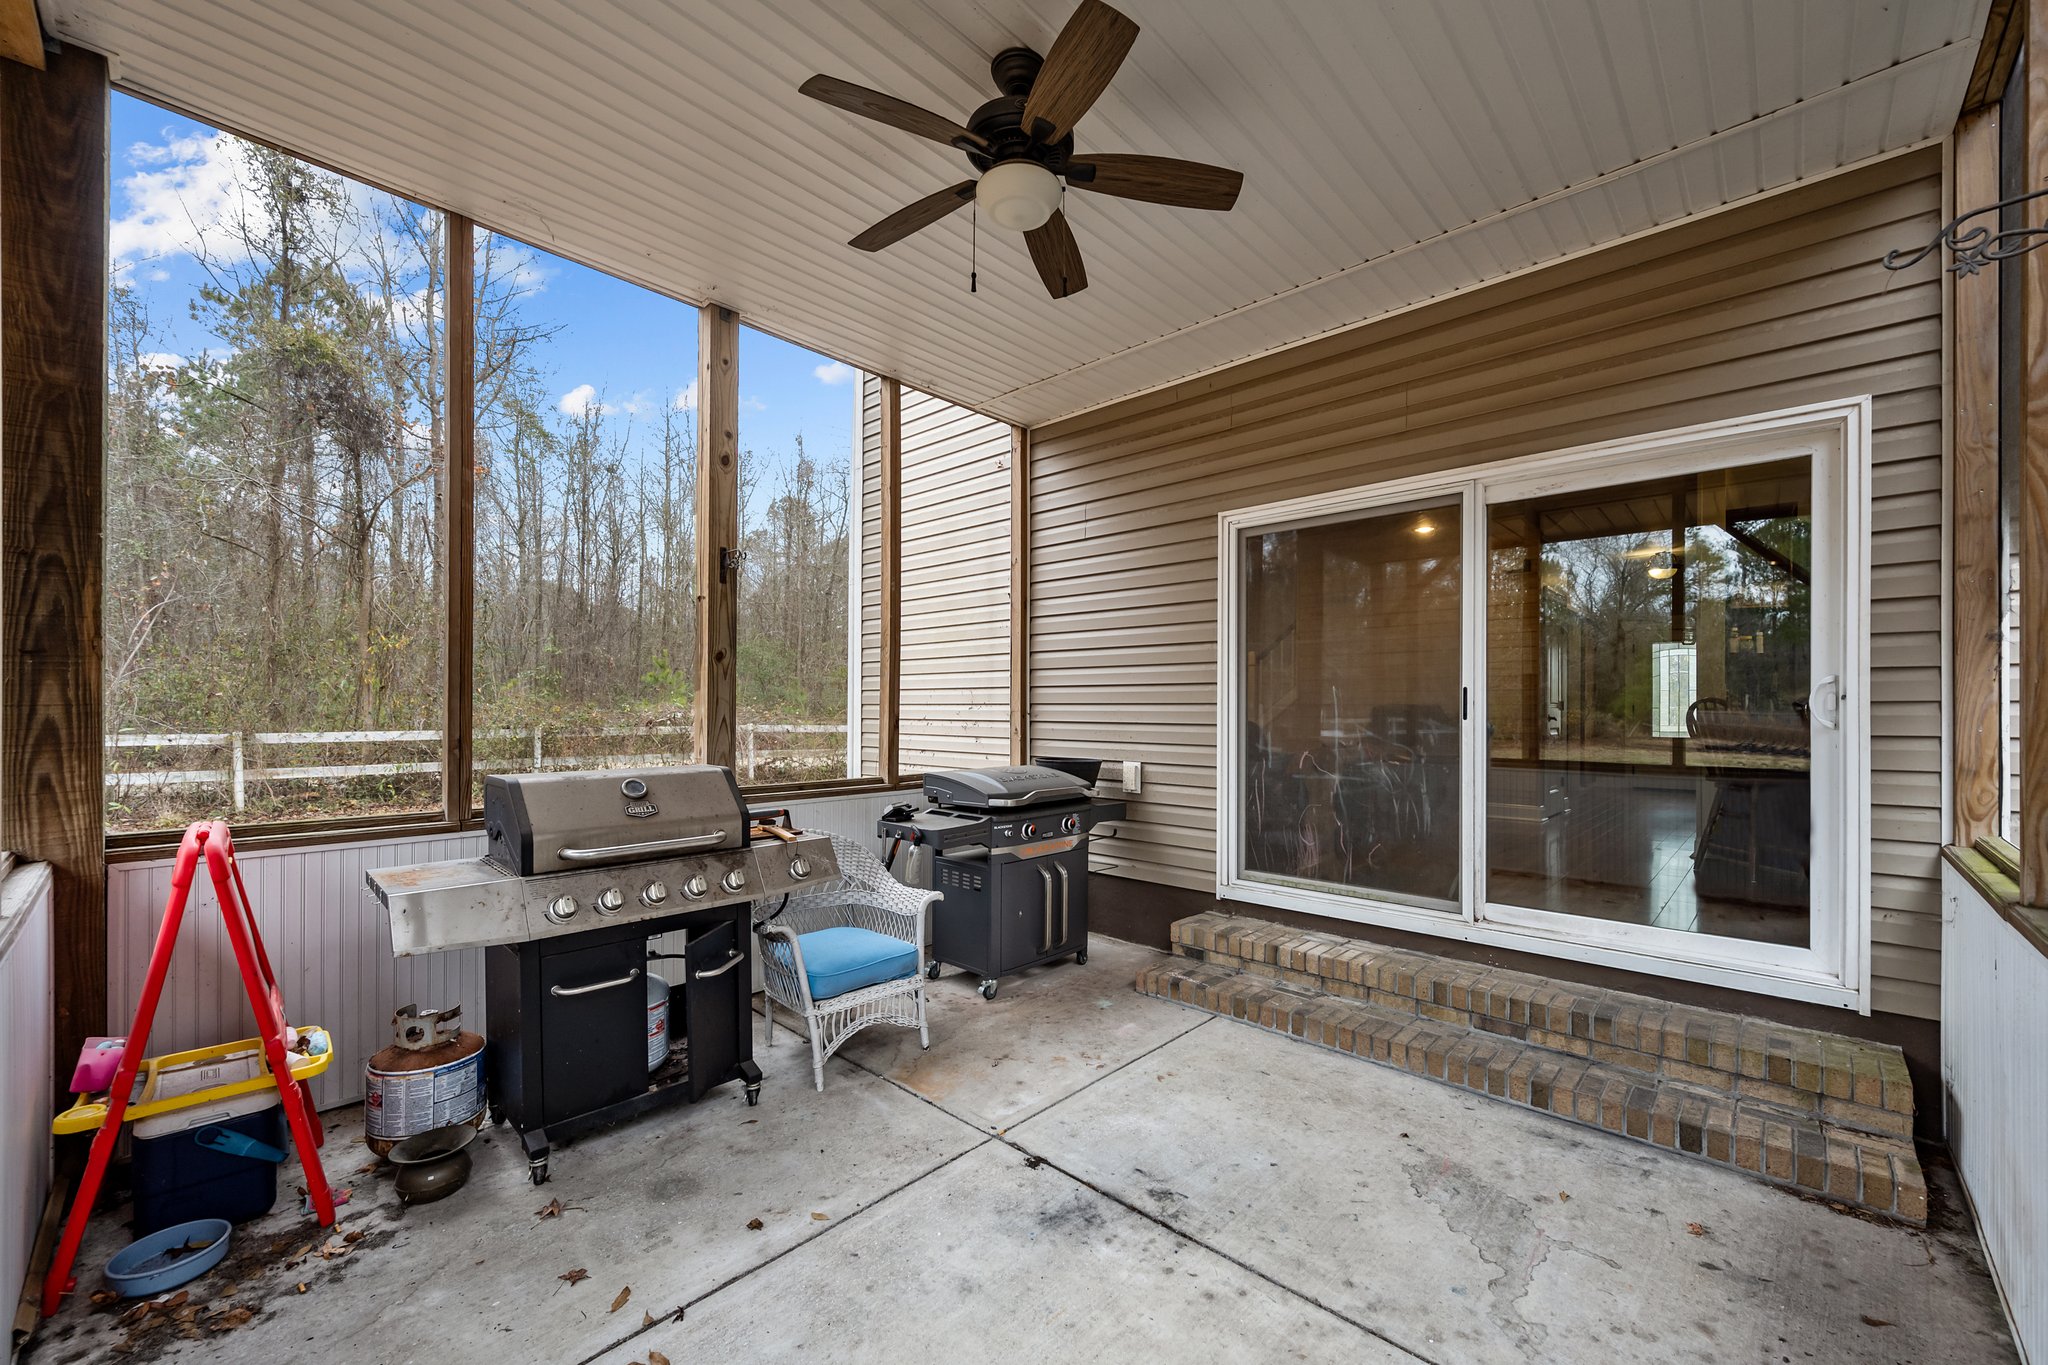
<point x="1761" y="307"/>
<point x="955" y="708"/>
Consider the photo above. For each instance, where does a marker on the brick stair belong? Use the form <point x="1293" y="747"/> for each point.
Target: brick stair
<point x="1823" y="1114"/>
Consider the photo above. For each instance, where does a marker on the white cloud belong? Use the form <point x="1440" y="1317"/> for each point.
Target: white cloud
<point x="579" y="401"/>
<point x="753" y="405"/>
<point x="160" y="360"/>
<point x="833" y="372"/>
<point x="188" y="199"/>
<point x="686" y="396"/>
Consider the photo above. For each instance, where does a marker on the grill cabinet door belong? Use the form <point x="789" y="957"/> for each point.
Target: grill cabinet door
<point x="1030" y="912"/>
<point x="716" y="985"/>
<point x="593" y="1022"/>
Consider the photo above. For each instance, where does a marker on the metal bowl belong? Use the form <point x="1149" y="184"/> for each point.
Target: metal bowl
<point x="432" y="1165"/>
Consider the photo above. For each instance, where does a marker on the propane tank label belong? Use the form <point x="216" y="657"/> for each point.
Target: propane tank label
<point x="398" y="1104"/>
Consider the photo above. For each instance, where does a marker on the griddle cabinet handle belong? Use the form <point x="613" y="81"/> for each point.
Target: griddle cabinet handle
<point x="628" y="979"/>
<point x="1047" y="877"/>
<point x="683" y="845"/>
<point x="1061" y="868"/>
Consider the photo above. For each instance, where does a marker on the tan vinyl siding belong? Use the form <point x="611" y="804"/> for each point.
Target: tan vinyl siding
<point x="1762" y="307"/>
<point x="955" y="709"/>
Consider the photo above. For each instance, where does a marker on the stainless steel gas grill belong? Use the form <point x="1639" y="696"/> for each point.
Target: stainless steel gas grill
<point x="580" y="871"/>
<point x="1008" y="847"/>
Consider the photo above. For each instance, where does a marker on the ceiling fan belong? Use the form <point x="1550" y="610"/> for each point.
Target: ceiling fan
<point x="1022" y="142"/>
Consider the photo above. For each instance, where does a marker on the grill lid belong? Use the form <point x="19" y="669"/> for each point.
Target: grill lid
<point x="537" y="823"/>
<point x="1003" y="788"/>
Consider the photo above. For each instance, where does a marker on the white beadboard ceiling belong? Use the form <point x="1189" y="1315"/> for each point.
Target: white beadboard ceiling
<point x="1393" y="150"/>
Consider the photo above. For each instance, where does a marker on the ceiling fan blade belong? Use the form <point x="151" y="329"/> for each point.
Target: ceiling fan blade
<point x="1077" y="69"/>
<point x="1057" y="256"/>
<point x="1157" y="180"/>
<point x="915" y="217"/>
<point x="858" y="99"/>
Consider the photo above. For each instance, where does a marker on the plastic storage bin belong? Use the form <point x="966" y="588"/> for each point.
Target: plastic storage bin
<point x="177" y="1180"/>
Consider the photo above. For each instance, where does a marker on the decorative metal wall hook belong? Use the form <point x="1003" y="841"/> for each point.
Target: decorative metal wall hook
<point x="1979" y="246"/>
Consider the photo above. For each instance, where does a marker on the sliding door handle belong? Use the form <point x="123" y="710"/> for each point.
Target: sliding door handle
<point x="1832" y="717"/>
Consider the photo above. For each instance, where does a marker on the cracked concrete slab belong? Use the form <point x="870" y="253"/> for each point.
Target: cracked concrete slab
<point x="1049" y="1032"/>
<point x="661" y="1205"/>
<point x="1465" y="1230"/>
<point x="994" y="1257"/>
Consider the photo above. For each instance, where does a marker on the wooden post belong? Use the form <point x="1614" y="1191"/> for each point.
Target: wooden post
<point x="53" y="384"/>
<point x="2033" y="480"/>
<point x="458" y="524"/>
<point x="890" y="682"/>
<point x="1977" y="588"/>
<point x="1020" y="595"/>
<point x="718" y="533"/>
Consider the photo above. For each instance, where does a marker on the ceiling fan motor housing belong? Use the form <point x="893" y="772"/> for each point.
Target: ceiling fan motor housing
<point x="1000" y="123"/>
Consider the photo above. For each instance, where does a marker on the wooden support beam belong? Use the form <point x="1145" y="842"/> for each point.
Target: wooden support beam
<point x="889" y="700"/>
<point x="714" y="716"/>
<point x="1020" y="595"/>
<point x="53" y="384"/>
<point x="2033" y="485"/>
<point x="2004" y="26"/>
<point x="21" y="34"/>
<point x="1977" y="585"/>
<point x="458" y="522"/>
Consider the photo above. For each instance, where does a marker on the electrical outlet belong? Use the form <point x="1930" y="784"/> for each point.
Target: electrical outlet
<point x="1134" y="777"/>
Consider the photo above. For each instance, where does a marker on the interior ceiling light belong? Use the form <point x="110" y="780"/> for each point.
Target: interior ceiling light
<point x="1425" y="527"/>
<point x="1021" y="196"/>
<point x="1663" y="568"/>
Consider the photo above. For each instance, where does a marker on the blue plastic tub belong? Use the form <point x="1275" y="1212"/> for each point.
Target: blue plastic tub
<point x="165" y="1260"/>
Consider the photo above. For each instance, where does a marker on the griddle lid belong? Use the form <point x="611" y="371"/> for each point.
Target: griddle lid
<point x="1003" y="788"/>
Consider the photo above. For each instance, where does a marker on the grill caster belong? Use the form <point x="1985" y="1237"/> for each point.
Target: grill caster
<point x="753" y="1094"/>
<point x="988" y="989"/>
<point x="497" y="1116"/>
<point x="537" y="1170"/>
<point x="1081" y="958"/>
<point x="931" y="971"/>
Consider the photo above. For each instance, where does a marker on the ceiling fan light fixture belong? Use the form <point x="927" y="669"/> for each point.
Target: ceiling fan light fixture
<point x="1020" y="196"/>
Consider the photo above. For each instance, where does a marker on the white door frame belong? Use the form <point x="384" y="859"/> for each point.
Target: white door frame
<point x="1836" y="968"/>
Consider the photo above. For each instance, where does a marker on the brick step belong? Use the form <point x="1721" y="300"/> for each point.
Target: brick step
<point x="1847" y="1082"/>
<point x="1784" y="1146"/>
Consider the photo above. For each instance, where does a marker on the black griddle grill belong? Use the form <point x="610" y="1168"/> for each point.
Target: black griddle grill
<point x="1009" y="854"/>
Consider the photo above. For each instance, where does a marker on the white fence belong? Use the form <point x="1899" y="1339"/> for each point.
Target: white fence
<point x="242" y="770"/>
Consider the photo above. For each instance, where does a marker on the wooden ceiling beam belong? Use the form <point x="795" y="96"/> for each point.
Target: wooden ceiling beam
<point x="21" y="34"/>
<point x="1999" y="48"/>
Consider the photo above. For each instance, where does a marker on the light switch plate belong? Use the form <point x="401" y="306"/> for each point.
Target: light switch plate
<point x="1134" y="777"/>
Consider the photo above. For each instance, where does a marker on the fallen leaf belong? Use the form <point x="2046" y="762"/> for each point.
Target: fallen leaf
<point x="1869" y="1321"/>
<point x="135" y="1314"/>
<point x="1696" y="1229"/>
<point x="1563" y="1198"/>
<point x="353" y="1237"/>
<point x="302" y="1286"/>
<point x="620" y="1301"/>
<point x="821" y="1217"/>
<point x="753" y="1225"/>
<point x="366" y="1168"/>
<point x="199" y="1244"/>
<point x="656" y="1358"/>
<point x="646" y="1319"/>
<point x="551" y="1209"/>
<point x="177" y="1300"/>
<point x="105" y="1296"/>
<point x="229" y="1320"/>
<point x="576" y="1276"/>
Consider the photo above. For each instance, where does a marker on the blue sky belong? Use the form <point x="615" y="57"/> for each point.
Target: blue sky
<point x="633" y="347"/>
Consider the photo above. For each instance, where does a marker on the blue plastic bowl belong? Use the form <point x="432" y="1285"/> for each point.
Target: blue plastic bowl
<point x="162" y="1261"/>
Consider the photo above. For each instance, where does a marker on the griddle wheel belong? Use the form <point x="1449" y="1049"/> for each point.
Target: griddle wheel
<point x="1081" y="958"/>
<point x="988" y="989"/>
<point x="753" y="1094"/>
<point x="537" y="1170"/>
<point x="931" y="971"/>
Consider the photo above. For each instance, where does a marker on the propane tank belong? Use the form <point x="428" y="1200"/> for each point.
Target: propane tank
<point x="431" y="1076"/>
<point x="657" y="1022"/>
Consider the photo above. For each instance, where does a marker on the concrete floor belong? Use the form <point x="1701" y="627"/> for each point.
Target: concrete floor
<point x="1072" y="1172"/>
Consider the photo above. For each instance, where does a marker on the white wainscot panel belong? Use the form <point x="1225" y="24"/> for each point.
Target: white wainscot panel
<point x="25" y="1098"/>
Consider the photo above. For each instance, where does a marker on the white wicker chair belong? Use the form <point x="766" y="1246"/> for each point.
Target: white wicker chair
<point x="865" y="896"/>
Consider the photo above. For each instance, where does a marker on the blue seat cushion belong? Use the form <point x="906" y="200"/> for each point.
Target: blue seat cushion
<point x="844" y="958"/>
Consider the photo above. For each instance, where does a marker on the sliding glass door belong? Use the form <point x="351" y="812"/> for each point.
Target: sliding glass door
<point x="1592" y="704"/>
<point x="1353" y="679"/>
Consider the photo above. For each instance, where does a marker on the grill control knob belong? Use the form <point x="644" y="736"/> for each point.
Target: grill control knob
<point x="562" y="909"/>
<point x="734" y="880"/>
<point x="1072" y="824"/>
<point x="1030" y="830"/>
<point x="609" y="901"/>
<point x="654" y="893"/>
<point x="696" y="888"/>
<point x="799" y="867"/>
